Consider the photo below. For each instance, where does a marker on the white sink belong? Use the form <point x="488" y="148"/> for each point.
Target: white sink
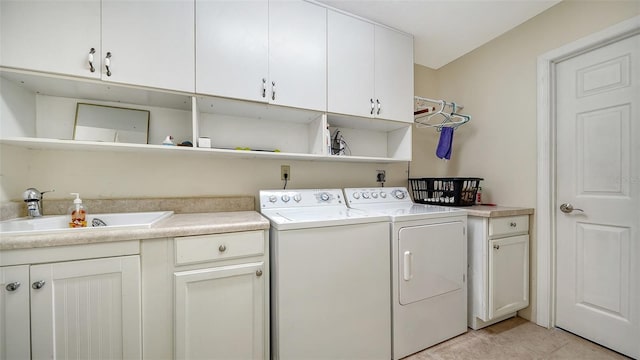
<point x="60" y="223"/>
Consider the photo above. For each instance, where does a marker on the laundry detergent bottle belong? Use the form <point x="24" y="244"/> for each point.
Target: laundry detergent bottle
<point x="78" y="213"/>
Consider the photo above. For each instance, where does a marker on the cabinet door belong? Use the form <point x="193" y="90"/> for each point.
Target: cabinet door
<point x="219" y="312"/>
<point x="232" y="48"/>
<point x="86" y="309"/>
<point x="350" y="65"/>
<point x="151" y="43"/>
<point x="508" y="275"/>
<point x="14" y="313"/>
<point x="51" y="35"/>
<point x="393" y="75"/>
<point x="298" y="54"/>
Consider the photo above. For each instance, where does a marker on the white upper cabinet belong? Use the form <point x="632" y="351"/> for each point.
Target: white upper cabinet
<point x="151" y="43"/>
<point x="370" y="69"/>
<point x="232" y="42"/>
<point x="51" y="36"/>
<point x="350" y="65"/>
<point x="298" y="54"/>
<point x="268" y="51"/>
<point x="393" y="74"/>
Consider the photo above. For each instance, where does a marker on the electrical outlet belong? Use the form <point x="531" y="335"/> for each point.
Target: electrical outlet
<point x="285" y="172"/>
<point x="381" y="176"/>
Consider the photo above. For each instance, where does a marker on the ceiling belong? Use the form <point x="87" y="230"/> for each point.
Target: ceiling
<point x="444" y="30"/>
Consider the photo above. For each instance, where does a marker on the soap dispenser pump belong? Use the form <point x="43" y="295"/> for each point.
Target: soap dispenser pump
<point x="78" y="213"/>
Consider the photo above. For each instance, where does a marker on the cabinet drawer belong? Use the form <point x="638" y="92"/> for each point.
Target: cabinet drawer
<point x="204" y="248"/>
<point x="509" y="225"/>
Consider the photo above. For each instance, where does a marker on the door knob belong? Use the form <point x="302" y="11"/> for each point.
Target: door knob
<point x="568" y="208"/>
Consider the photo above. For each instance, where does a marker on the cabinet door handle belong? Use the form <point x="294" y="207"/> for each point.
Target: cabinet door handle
<point x="12" y="286"/>
<point x="497" y="247"/>
<point x="513" y="224"/>
<point x="273" y="90"/>
<point x="38" y="285"/>
<point x="259" y="272"/>
<point x="222" y="248"/>
<point x="372" y="106"/>
<point x="264" y="87"/>
<point x="408" y="259"/>
<point x="91" y="52"/>
<point x="107" y="63"/>
<point x="379" y="107"/>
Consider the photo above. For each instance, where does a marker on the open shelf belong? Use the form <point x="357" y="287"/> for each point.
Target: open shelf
<point x="40" y="114"/>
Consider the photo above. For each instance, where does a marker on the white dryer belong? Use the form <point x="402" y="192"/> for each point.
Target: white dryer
<point x="330" y="275"/>
<point x="429" y="267"/>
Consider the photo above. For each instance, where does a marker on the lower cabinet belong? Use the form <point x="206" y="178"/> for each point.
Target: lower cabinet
<point x="498" y="268"/>
<point x="216" y="288"/>
<point x="87" y="309"/>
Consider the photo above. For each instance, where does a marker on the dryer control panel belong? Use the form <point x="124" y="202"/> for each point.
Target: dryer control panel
<point x="390" y="195"/>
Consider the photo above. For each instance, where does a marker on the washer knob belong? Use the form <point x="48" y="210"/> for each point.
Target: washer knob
<point x="324" y="196"/>
<point x="297" y="197"/>
<point x="285" y="198"/>
<point x="374" y="195"/>
<point x="365" y="195"/>
<point x="273" y="198"/>
<point x="399" y="194"/>
<point x="383" y="194"/>
<point x="356" y="195"/>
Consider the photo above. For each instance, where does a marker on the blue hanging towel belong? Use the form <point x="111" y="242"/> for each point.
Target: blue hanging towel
<point x="443" y="151"/>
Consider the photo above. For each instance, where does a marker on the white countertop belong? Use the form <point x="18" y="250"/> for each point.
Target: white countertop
<point x="174" y="226"/>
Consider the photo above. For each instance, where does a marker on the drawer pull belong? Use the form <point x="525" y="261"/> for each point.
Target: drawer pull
<point x="513" y="224"/>
<point x="497" y="247"/>
<point x="259" y="272"/>
<point x="38" y="285"/>
<point x="222" y="248"/>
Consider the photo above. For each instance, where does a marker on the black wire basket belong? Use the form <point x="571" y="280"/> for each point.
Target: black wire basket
<point x="456" y="191"/>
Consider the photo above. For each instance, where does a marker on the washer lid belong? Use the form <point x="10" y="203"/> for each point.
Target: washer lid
<point x="301" y="218"/>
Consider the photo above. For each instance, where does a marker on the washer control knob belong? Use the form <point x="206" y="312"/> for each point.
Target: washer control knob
<point x="356" y="195"/>
<point x="297" y="197"/>
<point x="399" y="194"/>
<point x="365" y="195"/>
<point x="324" y="196"/>
<point x="383" y="194"/>
<point x="285" y="198"/>
<point x="374" y="195"/>
<point x="273" y="198"/>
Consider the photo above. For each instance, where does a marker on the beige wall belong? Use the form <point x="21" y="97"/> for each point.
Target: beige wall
<point x="129" y="174"/>
<point x="497" y="85"/>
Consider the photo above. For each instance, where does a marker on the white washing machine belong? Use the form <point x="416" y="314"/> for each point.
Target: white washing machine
<point x="330" y="275"/>
<point x="429" y="267"/>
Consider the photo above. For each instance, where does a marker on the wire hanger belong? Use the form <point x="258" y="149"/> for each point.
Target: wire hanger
<point x="426" y="117"/>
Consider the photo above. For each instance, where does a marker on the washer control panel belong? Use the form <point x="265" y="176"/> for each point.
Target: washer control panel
<point x="274" y="199"/>
<point x="390" y="195"/>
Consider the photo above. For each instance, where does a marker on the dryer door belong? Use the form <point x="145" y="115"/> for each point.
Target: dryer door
<point x="431" y="260"/>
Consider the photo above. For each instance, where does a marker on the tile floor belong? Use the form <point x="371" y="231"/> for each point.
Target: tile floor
<point x="519" y="339"/>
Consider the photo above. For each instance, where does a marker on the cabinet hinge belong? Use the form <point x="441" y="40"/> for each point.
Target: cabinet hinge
<point x="464" y="277"/>
<point x="464" y="230"/>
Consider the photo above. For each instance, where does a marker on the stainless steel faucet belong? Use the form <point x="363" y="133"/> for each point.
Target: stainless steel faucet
<point x="33" y="198"/>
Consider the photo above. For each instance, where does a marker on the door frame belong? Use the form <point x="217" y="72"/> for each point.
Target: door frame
<point x="546" y="139"/>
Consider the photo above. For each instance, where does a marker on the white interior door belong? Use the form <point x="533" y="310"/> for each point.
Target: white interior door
<point x="598" y="171"/>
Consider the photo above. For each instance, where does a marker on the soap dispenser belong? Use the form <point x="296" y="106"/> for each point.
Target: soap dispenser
<point x="78" y="213"/>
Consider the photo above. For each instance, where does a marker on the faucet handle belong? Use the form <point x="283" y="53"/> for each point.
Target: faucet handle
<point x="31" y="194"/>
